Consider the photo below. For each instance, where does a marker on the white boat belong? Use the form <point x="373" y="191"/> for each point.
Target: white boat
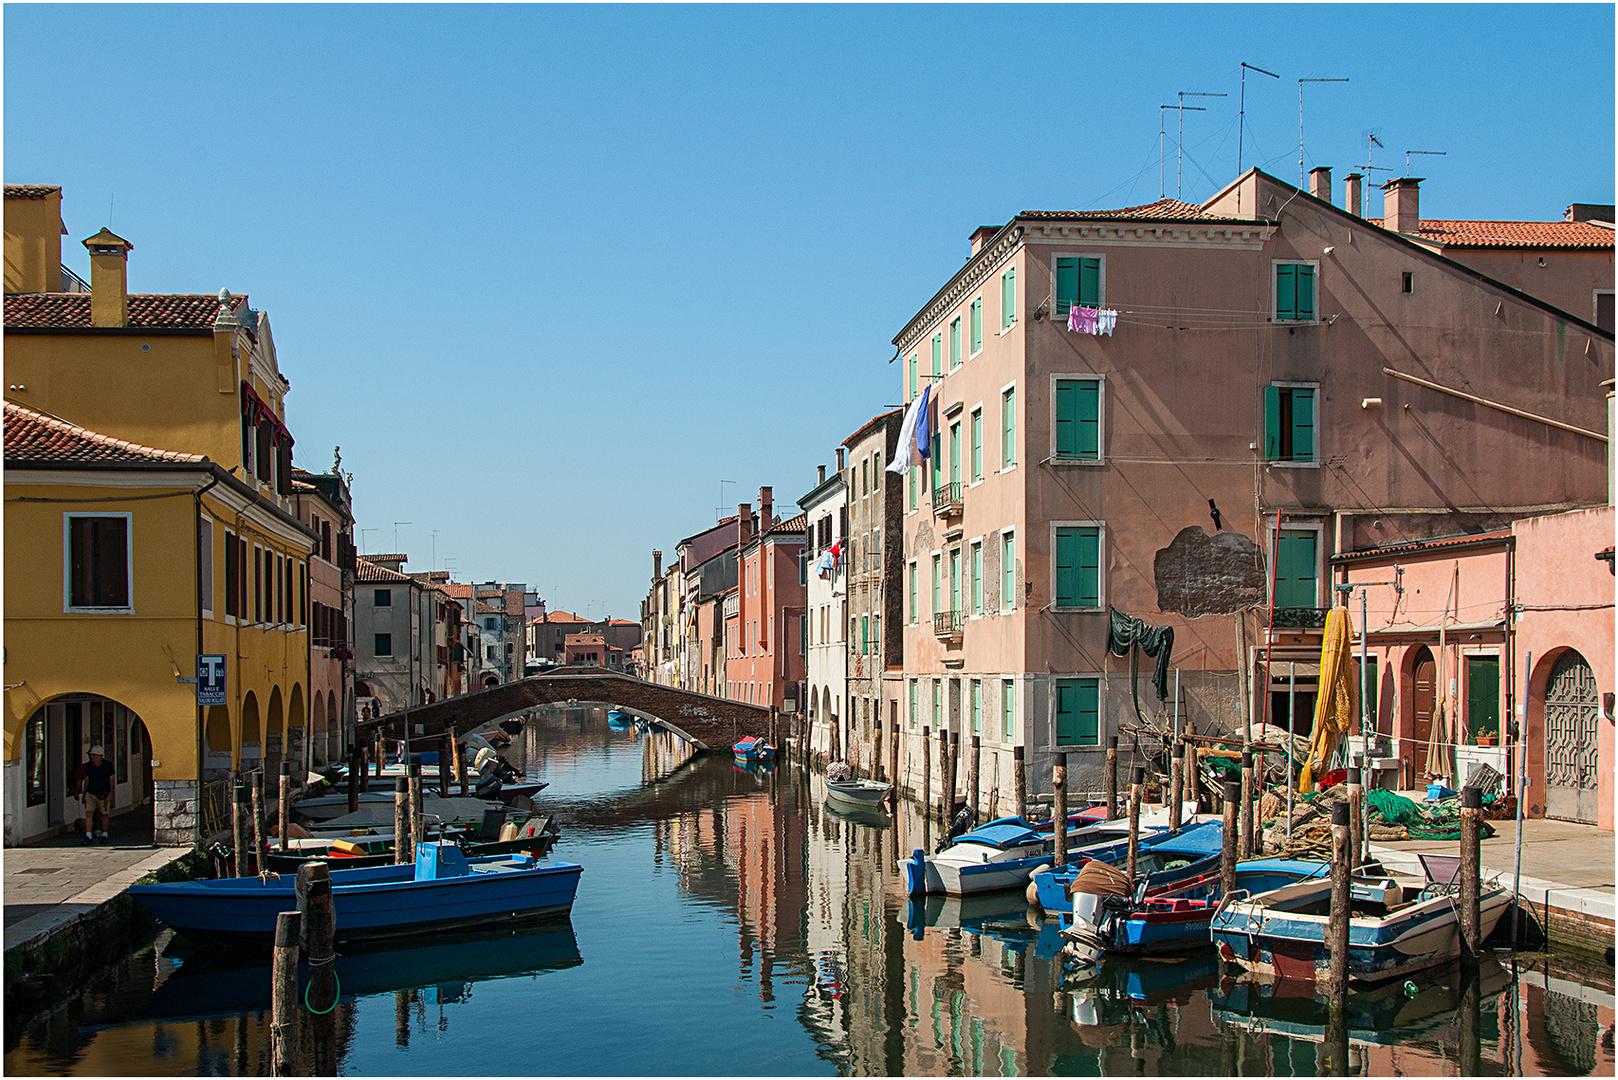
<point x="857" y="794"/>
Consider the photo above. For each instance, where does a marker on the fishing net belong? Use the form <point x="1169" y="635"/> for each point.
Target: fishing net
<point x="1393" y="811"/>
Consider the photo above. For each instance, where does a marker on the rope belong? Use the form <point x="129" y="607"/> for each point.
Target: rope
<point x="337" y="987"/>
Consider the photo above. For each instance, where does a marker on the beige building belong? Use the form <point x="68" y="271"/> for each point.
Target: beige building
<point x="1282" y="381"/>
<point x="875" y="573"/>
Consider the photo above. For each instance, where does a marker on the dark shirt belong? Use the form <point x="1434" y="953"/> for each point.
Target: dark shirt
<point x="98" y="778"/>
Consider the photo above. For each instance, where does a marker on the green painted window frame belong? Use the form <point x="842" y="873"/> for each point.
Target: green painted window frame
<point x="938" y="702"/>
<point x="1290" y="422"/>
<point x="1076" y="567"/>
<point x="915" y="373"/>
<point x="1078" y="281"/>
<point x="1297" y="569"/>
<point x="1482" y="695"/>
<point x="915" y="484"/>
<point x="977" y="578"/>
<point x="1008" y="708"/>
<point x="955" y="579"/>
<point x="977" y="444"/>
<point x="955" y="452"/>
<point x="914" y="694"/>
<point x="1076" y="711"/>
<point x="1008" y="298"/>
<point x="1008" y="571"/>
<point x="1295" y="294"/>
<point x="865" y="635"/>
<point x="977" y="706"/>
<point x="975" y="327"/>
<point x="1077" y="406"/>
<point x="955" y="343"/>
<point x="1008" y="428"/>
<point x="914" y="611"/>
<point x="938" y="582"/>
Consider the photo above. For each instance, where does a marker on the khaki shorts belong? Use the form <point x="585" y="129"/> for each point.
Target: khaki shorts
<point x="97" y="804"/>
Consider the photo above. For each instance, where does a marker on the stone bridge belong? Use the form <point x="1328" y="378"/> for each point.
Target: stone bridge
<point x="709" y="723"/>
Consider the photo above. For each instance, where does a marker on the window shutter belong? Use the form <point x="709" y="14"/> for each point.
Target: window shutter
<point x="1305" y="276"/>
<point x="1286" y="305"/>
<point x="1303" y="424"/>
<point x="1067" y="560"/>
<point x="1089" y="567"/>
<point x="1008" y="298"/>
<point x="1089" y="420"/>
<point x="1067" y="284"/>
<point x="1067" y="713"/>
<point x="1067" y="427"/>
<point x="1008" y="428"/>
<point x="977" y="324"/>
<point x="1089" y="709"/>
<point x="1090" y="282"/>
<point x="1272" y="423"/>
<point x="938" y="354"/>
<point x="1295" y="583"/>
<point x="1008" y="574"/>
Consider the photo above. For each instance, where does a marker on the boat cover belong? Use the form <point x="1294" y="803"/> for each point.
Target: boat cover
<point x="998" y="835"/>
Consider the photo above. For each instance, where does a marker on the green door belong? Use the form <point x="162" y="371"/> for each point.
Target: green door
<point x="1296" y="569"/>
<point x="1483" y="696"/>
<point x="1077" y="712"/>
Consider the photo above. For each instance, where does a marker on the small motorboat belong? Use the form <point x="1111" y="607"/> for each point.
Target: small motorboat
<point x="1164" y="858"/>
<point x="856" y="794"/>
<point x="1282" y="933"/>
<point x="348" y="853"/>
<point x="443" y="890"/>
<point x="511" y="726"/>
<point x="752" y="750"/>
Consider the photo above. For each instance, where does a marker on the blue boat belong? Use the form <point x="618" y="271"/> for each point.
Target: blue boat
<point x="619" y="721"/>
<point x="443" y="890"/>
<point x="1164" y="858"/>
<point x="752" y="750"/>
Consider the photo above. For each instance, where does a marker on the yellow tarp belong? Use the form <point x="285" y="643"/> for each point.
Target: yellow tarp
<point x="1334" y="706"/>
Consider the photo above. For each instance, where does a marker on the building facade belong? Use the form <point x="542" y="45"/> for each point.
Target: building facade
<point x="825" y="510"/>
<point x="324" y="506"/>
<point x="875" y="581"/>
<point x="766" y="667"/>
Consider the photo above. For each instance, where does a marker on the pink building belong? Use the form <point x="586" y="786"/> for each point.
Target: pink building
<point x="589" y="650"/>
<point x="323" y="504"/>
<point x="765" y="652"/>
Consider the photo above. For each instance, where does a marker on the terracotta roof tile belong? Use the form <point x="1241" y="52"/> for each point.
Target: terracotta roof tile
<point x="583" y="639"/>
<point x="792" y="524"/>
<point x="870" y="424"/>
<point x="1528" y="234"/>
<point x="146" y="310"/>
<point x="31" y="191"/>
<point x="1162" y="208"/>
<point x="369" y="572"/>
<point x="459" y="592"/>
<point x="563" y="617"/>
<point x="1409" y="546"/>
<point x="35" y="436"/>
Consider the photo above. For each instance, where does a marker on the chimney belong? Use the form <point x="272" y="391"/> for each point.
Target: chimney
<point x="1582" y="211"/>
<point x="744" y="523"/>
<point x="1352" y="194"/>
<point x="657" y="566"/>
<point x="820" y="475"/>
<point x="109" y="278"/>
<point x="1401" y="204"/>
<point x="1320" y="182"/>
<point x="839" y="459"/>
<point x="766" y="501"/>
<point x="981" y="235"/>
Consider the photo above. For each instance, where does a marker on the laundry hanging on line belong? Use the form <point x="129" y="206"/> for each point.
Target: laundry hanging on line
<point x="908" y="453"/>
<point x="828" y="560"/>
<point x="1089" y="320"/>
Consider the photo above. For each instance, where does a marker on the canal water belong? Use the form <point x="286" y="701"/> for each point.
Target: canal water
<point x="729" y="923"/>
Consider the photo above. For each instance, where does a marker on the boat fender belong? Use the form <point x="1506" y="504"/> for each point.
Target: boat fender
<point x="1033" y="891"/>
<point x="916" y="870"/>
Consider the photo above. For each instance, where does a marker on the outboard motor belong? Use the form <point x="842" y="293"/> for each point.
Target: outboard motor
<point x="488" y="787"/>
<point x="963" y="823"/>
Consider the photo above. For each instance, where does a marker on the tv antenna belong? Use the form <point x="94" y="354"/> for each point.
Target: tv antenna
<point x="1160" y="136"/>
<point x="1241" y="117"/>
<point x="1429" y="153"/>
<point x="1179" y="139"/>
<point x="719" y="511"/>
<point x="1303" y="178"/>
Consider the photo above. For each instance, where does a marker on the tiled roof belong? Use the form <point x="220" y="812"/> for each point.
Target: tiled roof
<point x="302" y="485"/>
<point x="623" y="622"/>
<point x="1162" y="208"/>
<point x="459" y="592"/>
<point x="583" y="639"/>
<point x="392" y="556"/>
<point x="366" y="571"/>
<point x="485" y="609"/>
<point x="793" y="524"/>
<point x="562" y="617"/>
<point x="31" y="191"/>
<point x="34" y="436"/>
<point x="1528" y="234"/>
<point x="1409" y="546"/>
<point x="146" y="310"/>
<point x="871" y="423"/>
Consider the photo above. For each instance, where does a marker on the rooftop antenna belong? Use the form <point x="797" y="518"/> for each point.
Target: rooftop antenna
<point x="1241" y="117"/>
<point x="396" y="525"/>
<point x="1160" y="135"/>
<point x="719" y="511"/>
<point x="434" y="563"/>
<point x="1303" y="179"/>
<point x="1179" y="139"/>
<point x="363" y="545"/>
<point x="1429" y="153"/>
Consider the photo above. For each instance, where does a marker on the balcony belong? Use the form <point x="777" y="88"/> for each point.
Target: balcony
<point x="1300" y="618"/>
<point x="947" y="500"/>
<point x="947" y="626"/>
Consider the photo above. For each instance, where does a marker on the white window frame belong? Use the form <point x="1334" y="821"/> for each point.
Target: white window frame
<point x="1101" y="418"/>
<point x="971" y="352"/>
<point x="1275" y="296"/>
<point x="1101" y="280"/>
<point x="1314" y="419"/>
<point x="207" y="571"/>
<point x="67" y="560"/>
<point x="1000" y="538"/>
<point x="1101" y="572"/>
<point x="1322" y="579"/>
<point x="1008" y="327"/>
<point x="976" y="409"/>
<point x="1000" y="400"/>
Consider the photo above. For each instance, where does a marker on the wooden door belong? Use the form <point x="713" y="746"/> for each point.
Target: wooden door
<point x="1424" y="679"/>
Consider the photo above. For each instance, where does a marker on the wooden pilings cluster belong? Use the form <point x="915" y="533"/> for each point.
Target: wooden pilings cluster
<point x="311" y="930"/>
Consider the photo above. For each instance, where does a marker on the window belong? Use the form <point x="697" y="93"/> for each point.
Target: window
<point x="938" y="704"/>
<point x="914" y="375"/>
<point x="865" y="635"/>
<point x="384" y="645"/>
<point x="1289" y="423"/>
<point x="977" y="445"/>
<point x="1296" y="571"/>
<point x="205" y="566"/>
<point x="975" y="315"/>
<point x="913" y="691"/>
<point x="1602" y="313"/>
<point x="977" y="706"/>
<point x="914" y="614"/>
<point x="1078" y="419"/>
<point x="1008" y="428"/>
<point x="1078" y="716"/>
<point x="382" y="597"/>
<point x="977" y="578"/>
<point x="1078" y="566"/>
<point x="1482" y="695"/>
<point x="34" y="757"/>
<point x="1294" y="292"/>
<point x="915" y="482"/>
<point x="1008" y="572"/>
<point x="937" y="456"/>
<point x="1008" y="298"/>
<point x="303" y="594"/>
<point x="1008" y="708"/>
<point x="98" y="561"/>
<point x="876" y="635"/>
<point x="955" y="343"/>
<point x="938" y="574"/>
<point x="865" y="477"/>
<point x="938" y="355"/>
<point x="1078" y="281"/>
<point x="1407" y="282"/>
<point x="955" y="452"/>
<point x="233" y="576"/>
<point x="1373" y="688"/>
<point x="955" y="579"/>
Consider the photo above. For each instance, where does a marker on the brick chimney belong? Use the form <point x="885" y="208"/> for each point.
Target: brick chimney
<point x="109" y="278"/>
<point x="839" y="459"/>
<point x="1320" y="182"/>
<point x="1401" y="204"/>
<point x="744" y="523"/>
<point x="766" y="508"/>
<point x="657" y="566"/>
<point x="1353" y="194"/>
<point x="820" y="475"/>
<point x="981" y="235"/>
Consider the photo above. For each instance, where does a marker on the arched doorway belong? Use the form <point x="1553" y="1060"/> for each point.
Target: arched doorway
<point x="252" y="746"/>
<point x="1423" y="685"/>
<point x="334" y="725"/>
<point x="56" y="740"/>
<point x="1572" y="707"/>
<point x="297" y="735"/>
<point x="274" y="727"/>
<point x="317" y="731"/>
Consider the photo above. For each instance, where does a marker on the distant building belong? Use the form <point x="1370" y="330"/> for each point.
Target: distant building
<point x="766" y="664"/>
<point x="324" y="505"/>
<point x="825" y="511"/>
<point x="875" y="585"/>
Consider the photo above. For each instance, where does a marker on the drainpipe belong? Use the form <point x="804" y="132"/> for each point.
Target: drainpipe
<point x="1519" y="740"/>
<point x="196" y="539"/>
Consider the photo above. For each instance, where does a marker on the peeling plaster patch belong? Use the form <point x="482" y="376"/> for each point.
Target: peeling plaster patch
<point x="1198" y="574"/>
<point x="924" y="537"/>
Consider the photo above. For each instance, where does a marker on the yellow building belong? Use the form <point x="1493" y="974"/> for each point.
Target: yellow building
<point x="150" y="521"/>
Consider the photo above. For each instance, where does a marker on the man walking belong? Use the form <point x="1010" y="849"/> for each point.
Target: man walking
<point x="95" y="788"/>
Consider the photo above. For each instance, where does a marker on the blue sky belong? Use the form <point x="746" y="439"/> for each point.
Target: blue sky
<point x="550" y="274"/>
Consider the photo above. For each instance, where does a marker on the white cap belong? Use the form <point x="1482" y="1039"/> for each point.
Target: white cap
<point x="97" y="751"/>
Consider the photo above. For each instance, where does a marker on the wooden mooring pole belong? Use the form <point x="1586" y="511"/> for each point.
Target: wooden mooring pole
<point x="973" y="773"/>
<point x="418" y="823"/>
<point x="319" y="942"/>
<point x="1137" y="787"/>
<point x="284" y="1019"/>
<point x="360" y="754"/>
<point x="460" y="766"/>
<point x="1247" y="804"/>
<point x="1020" y="782"/>
<point x="285" y="805"/>
<point x="1356" y="814"/>
<point x="946" y="791"/>
<point x="238" y="826"/>
<point x="1059" y="809"/>
<point x="1111" y="778"/>
<point x="1337" y="925"/>
<point x="1177" y="786"/>
<point x="1471" y="870"/>
<point x="401" y="821"/>
<point x="446" y="764"/>
<point x="1227" y="853"/>
<point x="258" y="819"/>
<point x="893" y="761"/>
<point x="357" y="777"/>
<point x="926" y="798"/>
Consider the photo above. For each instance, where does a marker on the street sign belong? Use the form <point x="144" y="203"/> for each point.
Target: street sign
<point x="211" y="679"/>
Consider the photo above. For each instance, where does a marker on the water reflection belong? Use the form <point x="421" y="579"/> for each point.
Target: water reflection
<point x="735" y="924"/>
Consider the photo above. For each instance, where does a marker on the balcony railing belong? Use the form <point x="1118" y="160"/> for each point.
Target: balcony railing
<point x="947" y="626"/>
<point x="947" y="499"/>
<point x="1300" y="618"/>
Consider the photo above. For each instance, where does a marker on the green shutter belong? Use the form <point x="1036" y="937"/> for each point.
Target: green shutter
<point x="913" y="374"/>
<point x="1008" y="428"/>
<point x="938" y="574"/>
<point x="1067" y="420"/>
<point x="1008" y="708"/>
<point x="865" y="635"/>
<point x="938" y="355"/>
<point x="1305" y="277"/>
<point x="955" y="579"/>
<point x="1067" y="713"/>
<point x="912" y="569"/>
<point x="1067" y="556"/>
<point x="1008" y="298"/>
<point x="1089" y="712"/>
<point x="912" y="703"/>
<point x="1483" y="695"/>
<point x="1078" y="712"/>
<point x="1089" y="282"/>
<point x="977" y="324"/>
<point x="1286" y="291"/>
<point x="977" y="579"/>
<point x="977" y="445"/>
<point x="1295" y="569"/>
<point x="955" y="453"/>
<point x="977" y="706"/>
<point x="1078" y="567"/>
<point x="1067" y="284"/>
<point x="1089" y="418"/>
<point x="1078" y="419"/>
<point x="1303" y="424"/>
<point x="1008" y="573"/>
<point x="1089" y="567"/>
<point x="937" y="456"/>
<point x="1272" y="423"/>
<point x="954" y="344"/>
